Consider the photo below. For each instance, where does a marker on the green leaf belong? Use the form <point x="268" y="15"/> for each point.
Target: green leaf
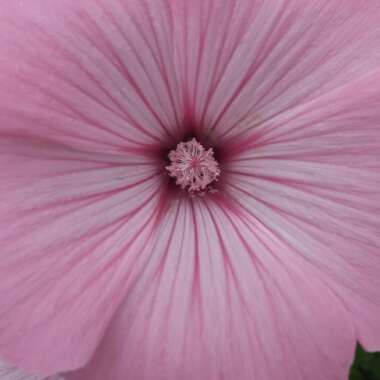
<point x="366" y="365"/>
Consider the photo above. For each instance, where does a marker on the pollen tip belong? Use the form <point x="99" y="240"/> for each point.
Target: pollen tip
<point x="193" y="167"/>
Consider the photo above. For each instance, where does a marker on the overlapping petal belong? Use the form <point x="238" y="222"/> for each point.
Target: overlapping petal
<point x="8" y="372"/>
<point x="244" y="62"/>
<point x="74" y="226"/>
<point x="224" y="298"/>
<point x="312" y="176"/>
<point x="84" y="73"/>
<point x="80" y="196"/>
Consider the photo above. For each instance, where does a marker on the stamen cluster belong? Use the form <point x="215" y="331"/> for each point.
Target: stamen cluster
<point x="193" y="167"/>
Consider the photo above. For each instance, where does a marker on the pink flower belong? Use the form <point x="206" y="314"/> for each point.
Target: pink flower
<point x="252" y="250"/>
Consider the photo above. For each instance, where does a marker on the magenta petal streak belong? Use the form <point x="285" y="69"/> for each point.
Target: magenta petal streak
<point x="108" y="269"/>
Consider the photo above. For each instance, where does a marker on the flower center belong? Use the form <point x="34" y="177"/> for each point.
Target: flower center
<point x="193" y="167"/>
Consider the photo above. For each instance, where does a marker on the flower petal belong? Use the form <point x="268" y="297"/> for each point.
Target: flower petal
<point x="73" y="227"/>
<point x="121" y="73"/>
<point x="94" y="74"/>
<point x="10" y="373"/>
<point x="79" y="113"/>
<point x="244" y="62"/>
<point x="223" y="298"/>
<point x="70" y="76"/>
<point x="312" y="176"/>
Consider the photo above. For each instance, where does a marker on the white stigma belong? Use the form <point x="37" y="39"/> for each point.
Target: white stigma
<point x="193" y="167"/>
